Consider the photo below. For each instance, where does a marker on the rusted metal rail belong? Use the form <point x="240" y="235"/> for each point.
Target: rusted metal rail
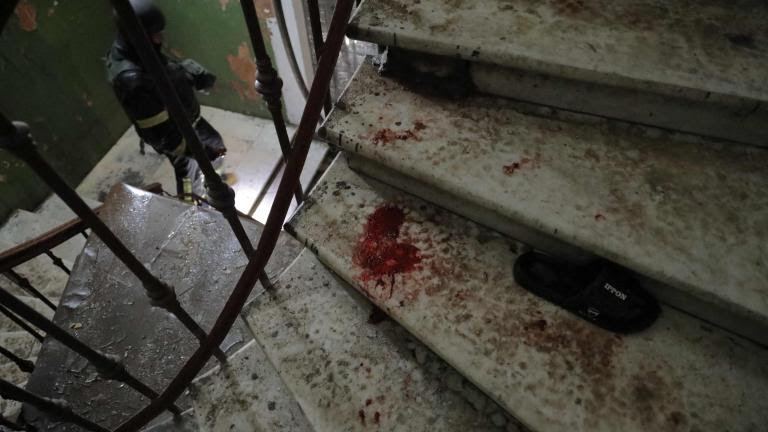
<point x="26" y="285"/>
<point x="23" y="364"/>
<point x="220" y="195"/>
<point x="21" y="323"/>
<point x="16" y="138"/>
<point x="316" y="29"/>
<point x="272" y="228"/>
<point x="268" y="83"/>
<point x="54" y="407"/>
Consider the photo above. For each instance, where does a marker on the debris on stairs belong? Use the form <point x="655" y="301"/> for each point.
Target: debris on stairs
<point x="675" y="65"/>
<point x="105" y="306"/>
<point x="349" y="372"/>
<point x="246" y="394"/>
<point x="686" y="212"/>
<point x="449" y="282"/>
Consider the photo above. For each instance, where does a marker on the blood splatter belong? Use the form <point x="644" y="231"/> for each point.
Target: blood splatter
<point x="27" y="16"/>
<point x="599" y="217"/>
<point x="418" y="125"/>
<point x="361" y="416"/>
<point x="376" y="417"/>
<point x="514" y="166"/>
<point x="378" y="251"/>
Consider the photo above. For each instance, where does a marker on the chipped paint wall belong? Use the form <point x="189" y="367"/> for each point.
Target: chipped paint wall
<point x="52" y="76"/>
<point x="213" y="33"/>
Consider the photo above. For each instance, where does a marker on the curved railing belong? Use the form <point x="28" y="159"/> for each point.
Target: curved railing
<point x="16" y="138"/>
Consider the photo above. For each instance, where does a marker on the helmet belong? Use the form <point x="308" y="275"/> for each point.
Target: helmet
<point x="150" y="16"/>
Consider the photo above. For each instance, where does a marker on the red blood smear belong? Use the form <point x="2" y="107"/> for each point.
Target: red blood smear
<point x="387" y="135"/>
<point x="376" y="417"/>
<point x="378" y="251"/>
<point x="361" y="416"/>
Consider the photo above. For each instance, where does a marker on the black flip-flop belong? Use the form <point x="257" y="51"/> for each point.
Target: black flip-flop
<point x="601" y="292"/>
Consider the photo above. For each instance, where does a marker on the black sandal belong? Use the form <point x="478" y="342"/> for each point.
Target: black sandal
<point x="601" y="292"/>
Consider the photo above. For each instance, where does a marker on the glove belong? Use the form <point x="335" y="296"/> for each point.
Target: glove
<point x="201" y="78"/>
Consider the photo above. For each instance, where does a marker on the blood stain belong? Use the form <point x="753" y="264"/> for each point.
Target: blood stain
<point x="376" y="417"/>
<point x="378" y="252"/>
<point x="599" y="217"/>
<point x="376" y="316"/>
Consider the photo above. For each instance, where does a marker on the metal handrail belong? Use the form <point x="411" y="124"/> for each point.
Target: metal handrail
<point x="16" y="137"/>
<point x="272" y="228"/>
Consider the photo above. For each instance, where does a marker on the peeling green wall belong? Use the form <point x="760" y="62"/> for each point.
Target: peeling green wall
<point x="52" y="76"/>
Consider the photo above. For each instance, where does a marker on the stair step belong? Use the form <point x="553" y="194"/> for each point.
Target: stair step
<point x="551" y="370"/>
<point x="348" y="374"/>
<point x="246" y="395"/>
<point x="683" y="211"/>
<point x="678" y="65"/>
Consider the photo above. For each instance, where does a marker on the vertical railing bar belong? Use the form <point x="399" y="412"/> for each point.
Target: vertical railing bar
<point x="109" y="367"/>
<point x="269" y="84"/>
<point x="316" y="28"/>
<point x="23" y="364"/>
<point x="19" y="322"/>
<point x="26" y="285"/>
<point x="58" y="262"/>
<point x="272" y="228"/>
<point x="160" y="294"/>
<point x="221" y="196"/>
<point x="54" y="407"/>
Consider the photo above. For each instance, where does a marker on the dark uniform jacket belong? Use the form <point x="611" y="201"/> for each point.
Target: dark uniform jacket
<point x="136" y="90"/>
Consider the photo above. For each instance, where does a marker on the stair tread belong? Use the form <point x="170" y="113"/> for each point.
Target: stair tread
<point x="106" y="307"/>
<point x="247" y="395"/>
<point x="546" y="367"/>
<point x="678" y="48"/>
<point x="346" y="373"/>
<point x="681" y="210"/>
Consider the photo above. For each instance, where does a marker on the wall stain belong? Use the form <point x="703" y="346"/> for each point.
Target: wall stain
<point x="244" y="68"/>
<point x="27" y="16"/>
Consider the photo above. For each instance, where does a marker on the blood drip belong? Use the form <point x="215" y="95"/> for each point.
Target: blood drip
<point x="379" y="252"/>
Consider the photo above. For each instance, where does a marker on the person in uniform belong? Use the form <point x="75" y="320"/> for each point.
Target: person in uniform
<point x="136" y="90"/>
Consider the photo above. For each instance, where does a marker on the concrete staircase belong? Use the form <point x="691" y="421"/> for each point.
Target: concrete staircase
<point x="632" y="131"/>
<point x="629" y="131"/>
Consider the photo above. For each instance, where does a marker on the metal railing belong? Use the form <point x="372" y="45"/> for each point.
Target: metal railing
<point x="16" y="138"/>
